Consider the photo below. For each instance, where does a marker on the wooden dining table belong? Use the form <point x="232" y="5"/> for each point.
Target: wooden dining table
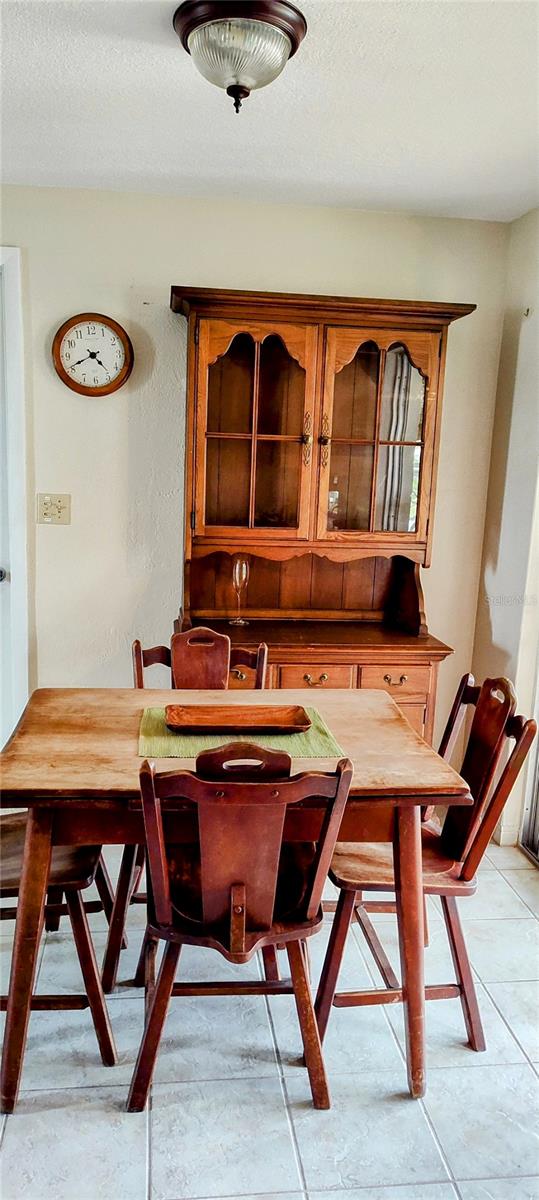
<point x="73" y="762"/>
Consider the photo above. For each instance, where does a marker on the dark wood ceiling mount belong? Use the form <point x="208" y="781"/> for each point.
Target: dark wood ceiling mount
<point x="284" y="16"/>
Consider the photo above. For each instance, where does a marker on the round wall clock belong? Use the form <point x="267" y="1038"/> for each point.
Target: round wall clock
<point x="92" y="354"/>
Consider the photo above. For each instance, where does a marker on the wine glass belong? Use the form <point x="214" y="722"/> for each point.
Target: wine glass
<point x="240" y="579"/>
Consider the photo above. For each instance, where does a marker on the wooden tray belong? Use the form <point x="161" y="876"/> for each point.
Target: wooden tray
<point x="237" y="718"/>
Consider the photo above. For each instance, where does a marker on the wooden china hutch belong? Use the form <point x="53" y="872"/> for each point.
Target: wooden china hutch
<point x="313" y="425"/>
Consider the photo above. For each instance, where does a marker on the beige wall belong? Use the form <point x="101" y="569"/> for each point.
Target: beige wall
<point x="507" y="633"/>
<point x="115" y="572"/>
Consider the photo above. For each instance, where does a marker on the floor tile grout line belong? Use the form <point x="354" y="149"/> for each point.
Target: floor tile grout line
<point x="508" y="1025"/>
<point x="286" y="1098"/>
<point x="426" y="1116"/>
<point x="522" y="901"/>
<point x="284" y="1091"/>
<point x="244" y="1195"/>
<point x="149" y="1143"/>
<point x="293" y="1135"/>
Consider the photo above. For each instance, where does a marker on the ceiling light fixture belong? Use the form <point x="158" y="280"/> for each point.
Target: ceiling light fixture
<point x="242" y="45"/>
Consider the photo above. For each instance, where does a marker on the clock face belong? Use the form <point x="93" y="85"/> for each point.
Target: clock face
<point x="92" y="354"/>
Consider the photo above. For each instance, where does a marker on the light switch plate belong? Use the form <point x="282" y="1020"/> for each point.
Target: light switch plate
<point x="53" y="508"/>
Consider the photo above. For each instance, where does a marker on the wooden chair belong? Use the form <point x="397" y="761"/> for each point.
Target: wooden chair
<point x="57" y="908"/>
<point x="239" y="888"/>
<point x="186" y="653"/>
<point x="197" y="658"/>
<point x="72" y="870"/>
<point x="451" y="856"/>
<point x="467" y="693"/>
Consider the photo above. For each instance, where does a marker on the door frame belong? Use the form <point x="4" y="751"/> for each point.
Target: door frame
<point x="11" y="334"/>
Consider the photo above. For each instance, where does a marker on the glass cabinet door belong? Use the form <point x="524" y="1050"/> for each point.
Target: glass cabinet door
<point x="254" y="429"/>
<point x="376" y="419"/>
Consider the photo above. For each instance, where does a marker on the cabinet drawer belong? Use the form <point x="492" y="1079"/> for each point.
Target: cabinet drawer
<point x="303" y="675"/>
<point x="398" y="680"/>
<point x="242" y="677"/>
<point x="415" y="714"/>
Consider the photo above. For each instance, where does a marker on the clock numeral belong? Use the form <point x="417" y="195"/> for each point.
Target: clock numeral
<point x="71" y="343"/>
<point x="68" y="356"/>
<point x="84" y="378"/>
<point x="78" y="333"/>
<point x="91" y="330"/>
<point x="96" y="380"/>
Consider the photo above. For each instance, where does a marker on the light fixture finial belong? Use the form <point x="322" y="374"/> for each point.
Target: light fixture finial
<point x="240" y="45"/>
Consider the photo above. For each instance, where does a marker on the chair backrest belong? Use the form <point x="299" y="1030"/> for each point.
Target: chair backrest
<point x="147" y="658"/>
<point x="253" y="660"/>
<point x="495" y="703"/>
<point x="240" y="659"/>
<point x="200" y="658"/>
<point x="467" y="693"/>
<point x="523" y="732"/>
<point x="242" y="794"/>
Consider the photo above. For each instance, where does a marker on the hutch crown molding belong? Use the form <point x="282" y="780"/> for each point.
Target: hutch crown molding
<point x="313" y="428"/>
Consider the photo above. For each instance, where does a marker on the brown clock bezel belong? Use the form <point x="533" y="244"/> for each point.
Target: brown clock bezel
<point x="81" y="388"/>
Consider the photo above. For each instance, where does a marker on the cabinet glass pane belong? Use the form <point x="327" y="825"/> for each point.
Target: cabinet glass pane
<point x="403" y="399"/>
<point x="281" y="390"/>
<point x="397" y="487"/>
<point x="354" y="395"/>
<point x="230" y="388"/>
<point x="228" y="468"/>
<point x="278" y="468"/>
<point x="349" y="495"/>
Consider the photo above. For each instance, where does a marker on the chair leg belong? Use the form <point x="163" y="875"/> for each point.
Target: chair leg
<point x="142" y="1075"/>
<point x="52" y="920"/>
<point x="105" y="892"/>
<point x="124" y="891"/>
<point x="271" y="966"/>
<point x="90" y="974"/>
<point x="333" y="959"/>
<point x="306" y="951"/>
<point x="139" y="867"/>
<point x="463" y="971"/>
<point x="375" y="947"/>
<point x="150" y="958"/>
<point x="309" y="1029"/>
<point x="140" y="973"/>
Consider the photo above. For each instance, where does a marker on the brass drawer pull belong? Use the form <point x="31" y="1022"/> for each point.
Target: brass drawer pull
<point x="322" y="679"/>
<point x="238" y="674"/>
<point x="393" y="683"/>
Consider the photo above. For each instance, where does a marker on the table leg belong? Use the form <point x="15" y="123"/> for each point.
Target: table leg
<point x="28" y="926"/>
<point x="409" y="896"/>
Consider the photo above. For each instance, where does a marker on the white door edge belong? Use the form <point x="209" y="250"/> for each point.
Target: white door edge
<point x="16" y="666"/>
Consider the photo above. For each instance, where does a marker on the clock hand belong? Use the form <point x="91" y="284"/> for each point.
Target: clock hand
<point x="101" y="364"/>
<point x="77" y="364"/>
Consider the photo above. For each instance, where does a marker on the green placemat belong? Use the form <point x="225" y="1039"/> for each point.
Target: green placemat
<point x="156" y="741"/>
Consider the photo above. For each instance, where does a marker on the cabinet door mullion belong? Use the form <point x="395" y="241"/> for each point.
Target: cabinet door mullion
<point x="252" y="484"/>
<point x="381" y="371"/>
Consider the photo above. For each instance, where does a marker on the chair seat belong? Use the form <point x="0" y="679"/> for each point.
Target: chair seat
<point x="369" y="867"/>
<point x="71" y="866"/>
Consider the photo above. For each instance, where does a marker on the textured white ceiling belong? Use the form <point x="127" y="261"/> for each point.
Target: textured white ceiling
<point x="426" y="107"/>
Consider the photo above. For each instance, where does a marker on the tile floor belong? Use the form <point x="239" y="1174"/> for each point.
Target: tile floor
<point x="230" y="1113"/>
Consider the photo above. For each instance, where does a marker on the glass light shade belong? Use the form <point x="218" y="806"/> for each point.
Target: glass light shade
<point x="239" y="53"/>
